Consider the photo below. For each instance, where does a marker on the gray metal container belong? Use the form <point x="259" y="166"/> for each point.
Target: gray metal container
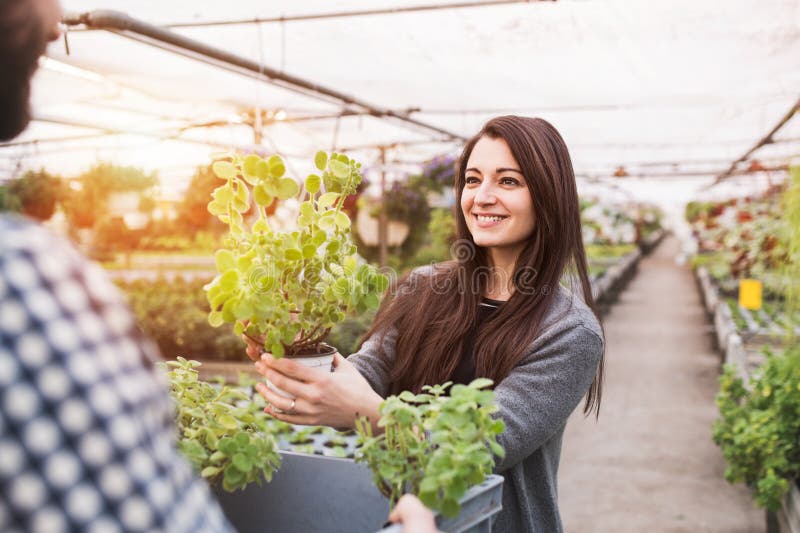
<point x="316" y="494"/>
<point x="308" y="494"/>
<point x="479" y="507"/>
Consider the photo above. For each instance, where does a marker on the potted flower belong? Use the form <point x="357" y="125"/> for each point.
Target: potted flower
<point x="433" y="445"/>
<point x="287" y="288"/>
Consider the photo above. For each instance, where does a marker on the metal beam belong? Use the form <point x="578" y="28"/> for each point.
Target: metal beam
<point x="348" y="14"/>
<point x="767" y="139"/>
<point x="677" y="174"/>
<point x="126" y="26"/>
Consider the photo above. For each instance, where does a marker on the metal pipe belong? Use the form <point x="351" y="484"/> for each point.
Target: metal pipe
<point x="355" y="13"/>
<point x="126" y="26"/>
<point x="767" y="139"/>
<point x="676" y="174"/>
<point x="345" y="14"/>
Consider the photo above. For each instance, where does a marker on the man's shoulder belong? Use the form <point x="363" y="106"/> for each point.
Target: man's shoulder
<point x="19" y="233"/>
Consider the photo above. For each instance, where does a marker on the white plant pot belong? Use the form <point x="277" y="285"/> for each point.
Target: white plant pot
<point x="367" y="227"/>
<point x="323" y="362"/>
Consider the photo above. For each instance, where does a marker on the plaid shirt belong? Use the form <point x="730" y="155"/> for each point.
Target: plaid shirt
<point x="87" y="438"/>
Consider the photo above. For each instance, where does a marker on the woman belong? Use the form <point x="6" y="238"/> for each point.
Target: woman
<point x="498" y="310"/>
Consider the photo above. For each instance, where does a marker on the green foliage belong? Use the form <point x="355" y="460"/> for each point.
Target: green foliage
<point x="8" y="201"/>
<point x="759" y="426"/>
<point x="346" y="335"/>
<point x="223" y="431"/>
<point x="595" y="252"/>
<point x="112" y="235"/>
<point x="791" y="208"/>
<point x="289" y="286"/>
<point x="649" y="220"/>
<point x="175" y="315"/>
<point x="36" y="194"/>
<point x="193" y="212"/>
<point x="407" y="201"/>
<point x="167" y="236"/>
<point x="433" y="445"/>
<point x="696" y="210"/>
<point x="717" y="264"/>
<point x="441" y="235"/>
<point x="736" y="314"/>
<point x="751" y="236"/>
<point x="88" y="204"/>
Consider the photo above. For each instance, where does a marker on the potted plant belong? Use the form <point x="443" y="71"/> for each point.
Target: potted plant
<point x="287" y="288"/>
<point x="434" y="445"/>
<point x="437" y="446"/>
<point x="227" y="437"/>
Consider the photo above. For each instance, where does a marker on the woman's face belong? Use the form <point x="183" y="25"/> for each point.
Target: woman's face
<point x="495" y="201"/>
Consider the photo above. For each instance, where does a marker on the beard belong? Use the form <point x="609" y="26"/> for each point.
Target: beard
<point x="15" y="111"/>
<point x="20" y="48"/>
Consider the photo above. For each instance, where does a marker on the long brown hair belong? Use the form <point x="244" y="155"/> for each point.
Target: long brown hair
<point x="434" y="312"/>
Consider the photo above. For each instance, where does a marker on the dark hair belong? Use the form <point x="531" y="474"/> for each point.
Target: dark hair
<point x="434" y="317"/>
<point x="23" y="38"/>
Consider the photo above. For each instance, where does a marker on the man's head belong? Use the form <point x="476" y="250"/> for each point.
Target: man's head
<point x="26" y="26"/>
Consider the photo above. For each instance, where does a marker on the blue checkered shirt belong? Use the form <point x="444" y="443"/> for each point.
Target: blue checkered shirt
<point x="87" y="437"/>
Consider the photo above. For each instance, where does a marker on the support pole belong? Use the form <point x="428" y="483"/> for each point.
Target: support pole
<point x="383" y="223"/>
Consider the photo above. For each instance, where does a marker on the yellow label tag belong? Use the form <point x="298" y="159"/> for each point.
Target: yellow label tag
<point x="750" y="294"/>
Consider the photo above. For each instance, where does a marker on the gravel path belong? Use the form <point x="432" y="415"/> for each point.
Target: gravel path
<point x="649" y="464"/>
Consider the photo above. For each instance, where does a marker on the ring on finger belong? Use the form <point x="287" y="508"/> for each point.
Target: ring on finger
<point x="291" y="407"/>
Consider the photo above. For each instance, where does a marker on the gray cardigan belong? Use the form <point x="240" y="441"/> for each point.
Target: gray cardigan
<point x="535" y="400"/>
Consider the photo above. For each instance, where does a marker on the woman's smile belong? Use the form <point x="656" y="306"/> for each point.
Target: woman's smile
<point x="485" y="221"/>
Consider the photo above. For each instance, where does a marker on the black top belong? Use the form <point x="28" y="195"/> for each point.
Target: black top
<point x="464" y="372"/>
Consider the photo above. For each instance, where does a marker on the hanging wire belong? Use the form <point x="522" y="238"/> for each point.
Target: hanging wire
<point x="336" y="133"/>
<point x="257" y="124"/>
<point x="283" y="46"/>
<point x="65" y="31"/>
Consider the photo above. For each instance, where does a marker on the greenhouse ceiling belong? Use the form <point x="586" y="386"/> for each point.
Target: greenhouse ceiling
<point x="671" y="91"/>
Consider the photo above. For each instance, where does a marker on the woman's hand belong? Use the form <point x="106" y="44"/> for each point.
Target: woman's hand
<point x="321" y="398"/>
<point x="415" y="517"/>
<point x="254" y="347"/>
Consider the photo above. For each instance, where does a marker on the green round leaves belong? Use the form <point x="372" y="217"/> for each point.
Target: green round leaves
<point x="224" y="170"/>
<point x="321" y="160"/>
<point x="223" y="432"/>
<point x="276" y="166"/>
<point x="261" y="196"/>
<point x="262" y="170"/>
<point x="327" y="200"/>
<point x="342" y="221"/>
<point x="313" y="183"/>
<point x="287" y="287"/>
<point x="229" y="280"/>
<point x="339" y="169"/>
<point x="433" y="445"/>
<point x="225" y="260"/>
<point x="327" y="223"/>
<point x="287" y="188"/>
<point x="249" y="166"/>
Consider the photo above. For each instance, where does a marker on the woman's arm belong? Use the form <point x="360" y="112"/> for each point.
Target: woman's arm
<point x="375" y="358"/>
<point x="537" y="397"/>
